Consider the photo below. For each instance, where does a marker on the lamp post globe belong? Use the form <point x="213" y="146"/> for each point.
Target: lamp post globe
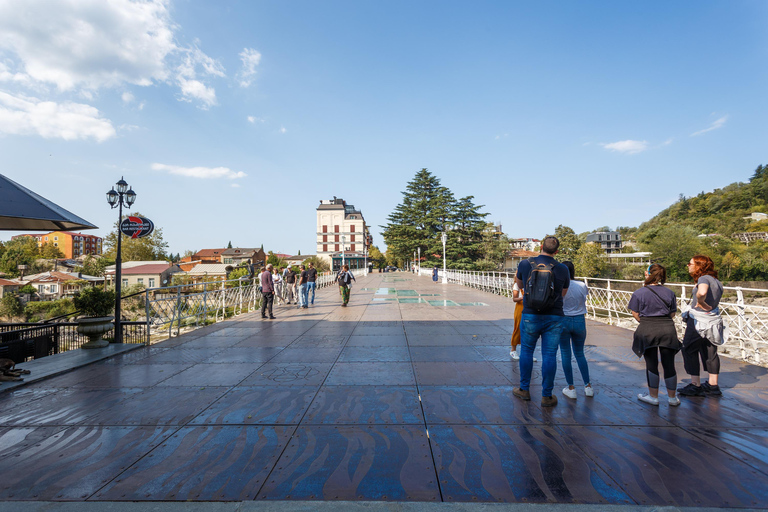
<point x="444" y="239"/>
<point x="123" y="196"/>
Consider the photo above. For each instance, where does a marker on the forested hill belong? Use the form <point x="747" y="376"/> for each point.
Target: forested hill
<point x="720" y="211"/>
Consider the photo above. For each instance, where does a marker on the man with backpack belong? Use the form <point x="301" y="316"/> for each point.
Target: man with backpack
<point x="545" y="282"/>
<point x="345" y="279"/>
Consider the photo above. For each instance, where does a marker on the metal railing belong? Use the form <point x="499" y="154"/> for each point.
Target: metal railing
<point x="190" y="306"/>
<point x="608" y="299"/>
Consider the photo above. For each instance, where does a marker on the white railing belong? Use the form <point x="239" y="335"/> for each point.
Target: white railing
<point x="608" y="299"/>
<point x="194" y="305"/>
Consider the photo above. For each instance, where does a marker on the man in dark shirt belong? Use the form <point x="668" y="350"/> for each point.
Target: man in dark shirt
<point x="311" y="279"/>
<point x="303" y="279"/>
<point x="547" y="324"/>
<point x="267" y="292"/>
<point x="290" y="284"/>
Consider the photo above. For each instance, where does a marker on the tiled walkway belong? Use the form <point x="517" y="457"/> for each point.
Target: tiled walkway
<point x="383" y="400"/>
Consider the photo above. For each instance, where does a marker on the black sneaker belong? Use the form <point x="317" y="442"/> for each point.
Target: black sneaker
<point x="711" y="390"/>
<point x="691" y="390"/>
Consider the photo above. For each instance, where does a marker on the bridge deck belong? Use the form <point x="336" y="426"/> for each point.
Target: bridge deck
<point x="383" y="400"/>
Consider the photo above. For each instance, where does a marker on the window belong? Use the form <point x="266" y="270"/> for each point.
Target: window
<point x="352" y="228"/>
<point x="55" y="238"/>
<point x="336" y="248"/>
<point x="40" y="288"/>
<point x="599" y="238"/>
<point x="140" y="280"/>
<point x="325" y="229"/>
<point x="352" y="237"/>
<point x="55" y="244"/>
<point x="54" y="288"/>
<point x="46" y="238"/>
<point x="336" y="238"/>
<point x="151" y="282"/>
<point x="325" y="238"/>
<point x="352" y="248"/>
<point x="125" y="282"/>
<point x="325" y="247"/>
<point x="336" y="228"/>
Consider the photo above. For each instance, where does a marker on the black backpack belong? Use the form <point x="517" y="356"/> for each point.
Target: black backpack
<point x="540" y="286"/>
<point x="344" y="278"/>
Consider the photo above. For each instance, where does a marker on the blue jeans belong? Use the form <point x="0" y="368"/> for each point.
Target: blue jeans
<point x="303" y="295"/>
<point x="548" y="327"/>
<point x="574" y="333"/>
<point x="311" y="288"/>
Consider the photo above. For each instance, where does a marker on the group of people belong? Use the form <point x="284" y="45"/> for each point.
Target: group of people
<point x="551" y="305"/>
<point x="285" y="285"/>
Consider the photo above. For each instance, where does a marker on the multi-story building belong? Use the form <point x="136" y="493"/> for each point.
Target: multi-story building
<point x="342" y="234"/>
<point x="72" y="245"/>
<point x="609" y="241"/>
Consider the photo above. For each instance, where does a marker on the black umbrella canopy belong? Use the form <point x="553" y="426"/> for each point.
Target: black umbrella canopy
<point x="23" y="210"/>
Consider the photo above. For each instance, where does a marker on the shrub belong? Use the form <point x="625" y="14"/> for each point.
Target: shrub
<point x="95" y="302"/>
<point x="43" y="310"/>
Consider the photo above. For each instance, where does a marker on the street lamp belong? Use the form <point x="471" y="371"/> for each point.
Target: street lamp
<point x="444" y="237"/>
<point x="116" y="199"/>
<point x="343" y="241"/>
<point x="414" y="262"/>
<point x="418" y="273"/>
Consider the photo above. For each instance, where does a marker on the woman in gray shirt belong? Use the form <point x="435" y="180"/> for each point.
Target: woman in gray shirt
<point x="706" y="297"/>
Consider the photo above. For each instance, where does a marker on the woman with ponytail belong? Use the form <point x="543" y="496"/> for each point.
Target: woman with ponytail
<point x="654" y="306"/>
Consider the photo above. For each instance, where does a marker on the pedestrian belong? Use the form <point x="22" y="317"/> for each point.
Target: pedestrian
<point x="303" y="279"/>
<point x="434" y="275"/>
<point x="311" y="280"/>
<point x="517" y="298"/>
<point x="289" y="277"/>
<point x="574" y="333"/>
<point x="277" y="281"/>
<point x="345" y="279"/>
<point x="545" y="282"/>
<point x="654" y="306"/>
<point x="703" y="329"/>
<point x="267" y="292"/>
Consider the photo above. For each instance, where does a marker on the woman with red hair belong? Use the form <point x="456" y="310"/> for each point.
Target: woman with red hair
<point x="705" y="301"/>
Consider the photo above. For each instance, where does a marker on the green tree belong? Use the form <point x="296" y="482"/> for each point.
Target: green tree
<point x="50" y="251"/>
<point x="229" y="245"/>
<point x="466" y="242"/>
<point x="672" y="246"/>
<point x="375" y="256"/>
<point x="569" y="242"/>
<point x="20" y="251"/>
<point x="10" y="306"/>
<point x="93" y="266"/>
<point x="589" y="261"/>
<point x="149" y="248"/>
<point x="319" y="263"/>
<point x="275" y="260"/>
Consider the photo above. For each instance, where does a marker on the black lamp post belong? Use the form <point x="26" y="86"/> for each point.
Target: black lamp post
<point x="116" y="199"/>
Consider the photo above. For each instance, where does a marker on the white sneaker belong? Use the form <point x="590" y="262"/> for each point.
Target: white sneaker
<point x="514" y="355"/>
<point x="589" y="391"/>
<point x="648" y="399"/>
<point x="570" y="393"/>
<point x="673" y="401"/>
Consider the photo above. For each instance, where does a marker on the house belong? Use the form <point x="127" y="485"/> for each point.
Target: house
<point x="528" y="244"/>
<point x="205" y="256"/>
<point x="7" y="286"/>
<point x="751" y="236"/>
<point x="608" y="241"/>
<point x="630" y="258"/>
<point x="237" y="255"/>
<point x="515" y="256"/>
<point x="56" y="285"/>
<point x="206" y="272"/>
<point x="341" y="228"/>
<point x="297" y="260"/>
<point x="72" y="245"/>
<point x="151" y="274"/>
<point x="756" y="216"/>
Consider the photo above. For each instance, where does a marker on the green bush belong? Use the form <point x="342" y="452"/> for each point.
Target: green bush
<point x="95" y="302"/>
<point x="43" y="310"/>
<point x="28" y="288"/>
<point x="10" y="306"/>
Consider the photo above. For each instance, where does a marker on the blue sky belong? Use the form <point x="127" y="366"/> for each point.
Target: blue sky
<point x="231" y="120"/>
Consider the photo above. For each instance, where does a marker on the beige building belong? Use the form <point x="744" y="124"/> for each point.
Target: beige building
<point x="341" y="228"/>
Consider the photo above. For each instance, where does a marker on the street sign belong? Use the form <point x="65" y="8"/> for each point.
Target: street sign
<point x="137" y="227"/>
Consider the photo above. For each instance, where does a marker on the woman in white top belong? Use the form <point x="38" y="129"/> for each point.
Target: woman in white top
<point x="574" y="334"/>
<point x="277" y="279"/>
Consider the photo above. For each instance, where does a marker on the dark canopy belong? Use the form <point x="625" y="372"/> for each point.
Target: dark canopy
<point x="23" y="210"/>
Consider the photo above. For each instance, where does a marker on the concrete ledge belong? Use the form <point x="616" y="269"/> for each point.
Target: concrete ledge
<point x="64" y="362"/>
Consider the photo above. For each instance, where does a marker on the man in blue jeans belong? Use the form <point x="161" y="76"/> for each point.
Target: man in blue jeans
<point x="312" y="279"/>
<point x="547" y="324"/>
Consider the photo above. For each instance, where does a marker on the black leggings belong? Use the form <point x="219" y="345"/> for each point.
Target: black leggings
<point x="667" y="363"/>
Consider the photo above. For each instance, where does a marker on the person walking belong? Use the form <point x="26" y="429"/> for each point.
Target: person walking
<point x="545" y="282"/>
<point x="267" y="292"/>
<point x="277" y="281"/>
<point x="311" y="280"/>
<point x="654" y="306"/>
<point x="289" y="277"/>
<point x="434" y="275"/>
<point x="703" y="329"/>
<point x="345" y="279"/>
<point x="303" y="279"/>
<point x="574" y="333"/>
<point x="517" y="298"/>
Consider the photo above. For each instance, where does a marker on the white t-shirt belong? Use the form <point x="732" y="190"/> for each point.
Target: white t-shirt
<point x="575" y="300"/>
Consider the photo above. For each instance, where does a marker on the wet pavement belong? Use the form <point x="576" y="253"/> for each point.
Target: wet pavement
<point x="407" y="399"/>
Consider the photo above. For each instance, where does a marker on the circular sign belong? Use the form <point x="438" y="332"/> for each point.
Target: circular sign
<point x="136" y="227"/>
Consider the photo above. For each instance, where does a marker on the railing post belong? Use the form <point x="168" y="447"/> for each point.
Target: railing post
<point x="743" y="325"/>
<point x="146" y="313"/>
<point x="178" y="308"/>
<point x="610" y="304"/>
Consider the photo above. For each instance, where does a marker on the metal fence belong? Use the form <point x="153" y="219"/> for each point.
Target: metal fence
<point x="608" y="298"/>
<point x="173" y="308"/>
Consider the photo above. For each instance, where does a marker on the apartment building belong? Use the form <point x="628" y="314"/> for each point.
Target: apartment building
<point x="609" y="241"/>
<point x="72" y="245"/>
<point x="342" y="234"/>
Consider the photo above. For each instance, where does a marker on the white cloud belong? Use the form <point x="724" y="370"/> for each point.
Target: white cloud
<point x="235" y="185"/>
<point x="282" y="129"/>
<point x="254" y="119"/>
<point x="84" y="45"/>
<point x="20" y="115"/>
<point x="251" y="59"/>
<point x="200" y="172"/>
<point x="714" y="126"/>
<point x="629" y="147"/>
<point x="127" y="97"/>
